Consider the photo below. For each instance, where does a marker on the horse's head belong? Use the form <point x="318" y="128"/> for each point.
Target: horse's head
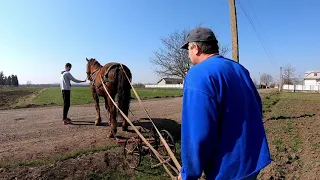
<point x="90" y="67"/>
<point x="93" y="66"/>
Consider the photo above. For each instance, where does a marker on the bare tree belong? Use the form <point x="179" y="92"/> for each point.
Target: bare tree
<point x="288" y="74"/>
<point x="172" y="61"/>
<point x="266" y="79"/>
<point x="297" y="80"/>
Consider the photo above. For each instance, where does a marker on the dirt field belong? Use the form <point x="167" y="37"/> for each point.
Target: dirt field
<point x="34" y="144"/>
<point x="292" y="125"/>
<point x="28" y="135"/>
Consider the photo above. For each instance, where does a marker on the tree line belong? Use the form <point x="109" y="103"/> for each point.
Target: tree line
<point x="171" y="61"/>
<point x="289" y="77"/>
<point x="11" y="80"/>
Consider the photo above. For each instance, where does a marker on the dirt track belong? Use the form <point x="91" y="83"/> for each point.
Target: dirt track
<point x="37" y="133"/>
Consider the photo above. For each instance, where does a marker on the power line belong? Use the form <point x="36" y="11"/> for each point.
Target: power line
<point x="255" y="30"/>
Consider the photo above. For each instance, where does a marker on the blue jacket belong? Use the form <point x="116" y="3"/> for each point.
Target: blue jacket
<point x="222" y="128"/>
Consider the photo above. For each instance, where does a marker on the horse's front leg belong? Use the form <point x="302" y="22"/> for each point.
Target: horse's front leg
<point x="96" y="99"/>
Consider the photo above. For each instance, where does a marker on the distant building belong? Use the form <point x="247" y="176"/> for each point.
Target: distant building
<point x="165" y="81"/>
<point x="312" y="78"/>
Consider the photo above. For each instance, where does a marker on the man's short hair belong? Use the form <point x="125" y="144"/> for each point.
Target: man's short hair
<point x="68" y="65"/>
<point x="206" y="47"/>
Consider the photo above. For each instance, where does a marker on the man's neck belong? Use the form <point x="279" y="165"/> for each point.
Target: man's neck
<point x="203" y="57"/>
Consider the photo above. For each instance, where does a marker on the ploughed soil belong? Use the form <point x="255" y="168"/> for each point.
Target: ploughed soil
<point x="7" y="98"/>
<point x="18" y="97"/>
<point x="34" y="143"/>
<point x="292" y="125"/>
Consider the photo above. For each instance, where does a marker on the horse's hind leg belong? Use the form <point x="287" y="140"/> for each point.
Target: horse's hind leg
<point x="98" y="117"/>
<point x="112" y="116"/>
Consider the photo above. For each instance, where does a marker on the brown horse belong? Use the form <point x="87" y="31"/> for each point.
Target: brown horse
<point x="116" y="82"/>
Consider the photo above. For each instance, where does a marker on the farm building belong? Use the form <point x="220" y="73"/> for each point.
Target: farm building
<point x="164" y="81"/>
<point x="311" y="83"/>
<point x="312" y="78"/>
<point x="167" y="83"/>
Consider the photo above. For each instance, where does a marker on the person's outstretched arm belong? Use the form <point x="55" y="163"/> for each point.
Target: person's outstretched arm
<point x="198" y="132"/>
<point x="74" y="79"/>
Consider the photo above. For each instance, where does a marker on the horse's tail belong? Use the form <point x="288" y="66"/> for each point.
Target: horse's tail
<point x="124" y="92"/>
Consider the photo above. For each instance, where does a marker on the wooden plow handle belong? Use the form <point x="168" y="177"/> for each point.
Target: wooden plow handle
<point x="174" y="159"/>
<point x="162" y="161"/>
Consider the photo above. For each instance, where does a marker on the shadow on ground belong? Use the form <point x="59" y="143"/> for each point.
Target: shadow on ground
<point x="88" y="123"/>
<point x="291" y="117"/>
<point x="170" y="125"/>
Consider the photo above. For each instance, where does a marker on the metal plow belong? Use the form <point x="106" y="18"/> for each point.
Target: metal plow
<point x="158" y="144"/>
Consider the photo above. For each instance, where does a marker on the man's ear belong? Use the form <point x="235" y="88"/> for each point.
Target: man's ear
<point x="197" y="49"/>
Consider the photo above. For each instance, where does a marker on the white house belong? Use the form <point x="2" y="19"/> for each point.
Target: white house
<point x="312" y="78"/>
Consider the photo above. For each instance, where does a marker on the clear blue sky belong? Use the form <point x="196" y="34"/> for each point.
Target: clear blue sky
<point x="39" y="37"/>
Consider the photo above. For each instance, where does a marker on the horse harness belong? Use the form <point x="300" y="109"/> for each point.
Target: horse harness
<point x="106" y="74"/>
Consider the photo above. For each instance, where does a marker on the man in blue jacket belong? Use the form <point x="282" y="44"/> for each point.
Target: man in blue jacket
<point x="222" y="129"/>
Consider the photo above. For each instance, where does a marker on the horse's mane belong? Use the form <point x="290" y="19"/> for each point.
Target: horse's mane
<point x="94" y="63"/>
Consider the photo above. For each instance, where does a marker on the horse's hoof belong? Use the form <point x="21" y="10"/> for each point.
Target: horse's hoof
<point x="124" y="128"/>
<point x="97" y="123"/>
<point x="111" y="135"/>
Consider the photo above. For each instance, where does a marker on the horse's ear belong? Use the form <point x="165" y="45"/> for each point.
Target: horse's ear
<point x="87" y="59"/>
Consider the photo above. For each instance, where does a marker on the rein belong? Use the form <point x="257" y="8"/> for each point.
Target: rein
<point x="91" y="74"/>
<point x="163" y="162"/>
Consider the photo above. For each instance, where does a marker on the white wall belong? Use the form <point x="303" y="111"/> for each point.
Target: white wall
<point x="180" y="86"/>
<point x="314" y="88"/>
<point x="309" y="82"/>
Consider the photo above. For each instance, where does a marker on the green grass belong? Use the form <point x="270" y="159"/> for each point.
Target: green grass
<point x="58" y="158"/>
<point x="148" y="93"/>
<point x="268" y="101"/>
<point x="279" y="145"/>
<point x="82" y="95"/>
<point x="144" y="172"/>
<point x="301" y="96"/>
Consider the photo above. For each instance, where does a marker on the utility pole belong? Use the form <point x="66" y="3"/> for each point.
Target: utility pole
<point x="260" y="81"/>
<point x="234" y="31"/>
<point x="280" y="83"/>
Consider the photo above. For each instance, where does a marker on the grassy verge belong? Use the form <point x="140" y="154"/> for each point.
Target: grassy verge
<point x="58" y="158"/>
<point x="268" y="101"/>
<point x="143" y="172"/>
<point x="82" y="95"/>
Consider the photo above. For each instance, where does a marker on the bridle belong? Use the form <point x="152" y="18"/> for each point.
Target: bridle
<point x="91" y="74"/>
